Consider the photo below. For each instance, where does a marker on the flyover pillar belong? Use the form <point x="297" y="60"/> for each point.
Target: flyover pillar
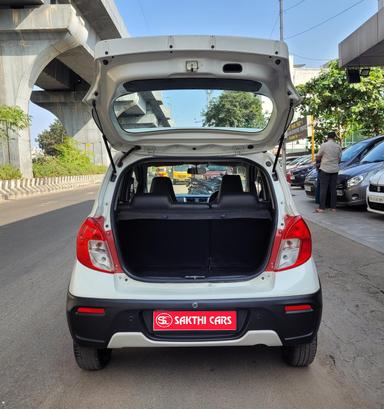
<point x="22" y="58"/>
<point x="30" y="38"/>
<point x="76" y="118"/>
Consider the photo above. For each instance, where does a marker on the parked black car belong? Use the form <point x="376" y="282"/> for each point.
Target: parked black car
<point x="350" y="156"/>
<point x="296" y="176"/>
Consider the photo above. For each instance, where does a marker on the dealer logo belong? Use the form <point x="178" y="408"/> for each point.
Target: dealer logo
<point x="164" y="320"/>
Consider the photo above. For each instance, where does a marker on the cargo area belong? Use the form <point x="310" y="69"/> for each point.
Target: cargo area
<point x="226" y="234"/>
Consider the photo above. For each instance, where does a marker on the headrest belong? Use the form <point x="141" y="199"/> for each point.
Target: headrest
<point x="237" y="201"/>
<point x="230" y="184"/>
<point x="147" y="201"/>
<point x="162" y="185"/>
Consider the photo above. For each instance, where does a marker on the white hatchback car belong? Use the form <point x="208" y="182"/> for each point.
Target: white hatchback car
<point x="375" y="193"/>
<point x="223" y="258"/>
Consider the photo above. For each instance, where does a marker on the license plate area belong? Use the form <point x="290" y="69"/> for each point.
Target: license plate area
<point x="243" y="316"/>
<point x="339" y="192"/>
<point x="308" y="188"/>
<point x="191" y="321"/>
<point x="376" y="199"/>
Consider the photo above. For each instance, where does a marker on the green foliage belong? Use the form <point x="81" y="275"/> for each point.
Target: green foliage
<point x="346" y="108"/>
<point x="69" y="161"/>
<point x="51" y="137"/>
<point x="235" y="109"/>
<point x="12" y="118"/>
<point x="9" y="172"/>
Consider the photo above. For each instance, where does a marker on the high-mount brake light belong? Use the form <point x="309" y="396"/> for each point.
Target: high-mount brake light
<point x="94" y="246"/>
<point x="293" y="245"/>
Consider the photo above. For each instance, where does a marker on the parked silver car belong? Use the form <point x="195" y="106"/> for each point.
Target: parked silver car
<point x="353" y="181"/>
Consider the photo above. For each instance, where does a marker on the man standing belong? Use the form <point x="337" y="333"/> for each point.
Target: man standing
<point x="329" y="155"/>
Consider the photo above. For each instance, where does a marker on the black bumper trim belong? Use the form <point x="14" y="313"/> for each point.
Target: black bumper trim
<point x="136" y="316"/>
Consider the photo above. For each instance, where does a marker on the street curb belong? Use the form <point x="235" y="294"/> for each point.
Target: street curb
<point x="21" y="188"/>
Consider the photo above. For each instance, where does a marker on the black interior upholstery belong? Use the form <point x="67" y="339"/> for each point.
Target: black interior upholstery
<point x="159" y="238"/>
<point x="162" y="185"/>
<point x="230" y="184"/>
<point x="230" y="206"/>
<point x="177" y="248"/>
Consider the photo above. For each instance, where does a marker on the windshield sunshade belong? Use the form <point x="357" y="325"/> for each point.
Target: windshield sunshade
<point x="192" y="103"/>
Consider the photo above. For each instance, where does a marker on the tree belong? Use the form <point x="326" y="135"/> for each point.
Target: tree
<point x="235" y="109"/>
<point x="12" y="119"/>
<point x="51" y="137"/>
<point x="69" y="160"/>
<point x="346" y="108"/>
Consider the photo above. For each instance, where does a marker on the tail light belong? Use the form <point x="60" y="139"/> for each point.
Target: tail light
<point x="288" y="177"/>
<point x="293" y="245"/>
<point x="298" y="308"/>
<point x="90" y="310"/>
<point x="95" y="247"/>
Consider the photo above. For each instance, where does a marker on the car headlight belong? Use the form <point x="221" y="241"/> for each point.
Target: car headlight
<point x="355" y="180"/>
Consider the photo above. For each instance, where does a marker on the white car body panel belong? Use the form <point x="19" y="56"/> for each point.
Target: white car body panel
<point x="376" y="180"/>
<point x="121" y="61"/>
<point x="88" y="283"/>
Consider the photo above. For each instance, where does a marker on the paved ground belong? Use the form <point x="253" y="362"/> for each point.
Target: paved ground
<point x="354" y="223"/>
<point x="38" y="370"/>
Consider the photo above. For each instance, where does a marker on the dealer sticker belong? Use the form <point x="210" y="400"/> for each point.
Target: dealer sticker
<point x="194" y="320"/>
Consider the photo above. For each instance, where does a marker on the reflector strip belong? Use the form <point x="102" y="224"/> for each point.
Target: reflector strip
<point x="87" y="310"/>
<point x="301" y="307"/>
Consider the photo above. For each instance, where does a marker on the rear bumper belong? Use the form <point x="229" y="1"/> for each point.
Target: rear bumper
<point x="128" y="323"/>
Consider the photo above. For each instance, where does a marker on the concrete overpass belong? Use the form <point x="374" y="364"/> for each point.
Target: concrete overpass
<point x="49" y="44"/>
<point x="365" y="46"/>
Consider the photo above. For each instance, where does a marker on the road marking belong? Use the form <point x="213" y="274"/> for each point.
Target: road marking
<point x="48" y="203"/>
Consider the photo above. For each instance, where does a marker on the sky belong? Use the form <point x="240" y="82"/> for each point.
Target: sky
<point x="251" y="18"/>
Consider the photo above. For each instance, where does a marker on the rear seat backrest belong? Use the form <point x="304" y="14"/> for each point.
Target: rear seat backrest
<point x="237" y="201"/>
<point x="162" y="185"/>
<point x="230" y="184"/>
<point x="146" y="201"/>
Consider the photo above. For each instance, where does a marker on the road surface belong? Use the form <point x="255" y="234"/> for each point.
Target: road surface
<point x="38" y="370"/>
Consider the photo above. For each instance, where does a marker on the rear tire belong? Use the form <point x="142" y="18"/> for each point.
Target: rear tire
<point x="300" y="355"/>
<point x="91" y="359"/>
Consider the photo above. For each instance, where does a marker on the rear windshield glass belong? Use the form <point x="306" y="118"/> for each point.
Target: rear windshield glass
<point x="181" y="105"/>
<point x="201" y="179"/>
